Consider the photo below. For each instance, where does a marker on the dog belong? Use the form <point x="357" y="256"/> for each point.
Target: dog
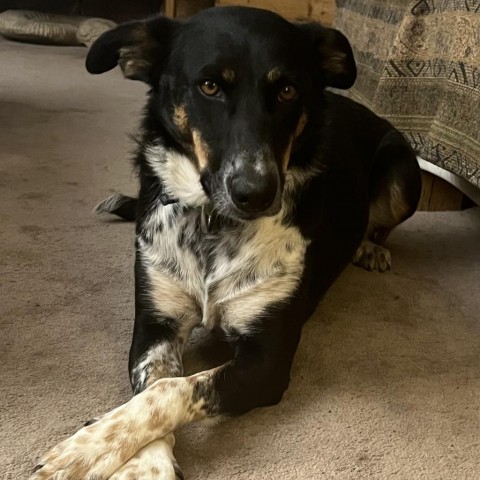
<point x="257" y="187"/>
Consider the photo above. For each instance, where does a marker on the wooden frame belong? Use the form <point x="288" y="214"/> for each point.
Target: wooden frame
<point x="319" y="10"/>
<point x="322" y="10"/>
<point x="171" y="8"/>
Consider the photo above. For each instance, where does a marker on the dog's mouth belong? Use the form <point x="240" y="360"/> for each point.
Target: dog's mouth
<point x="240" y="215"/>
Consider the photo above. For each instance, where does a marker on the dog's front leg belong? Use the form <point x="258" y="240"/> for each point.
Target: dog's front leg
<point x="156" y="353"/>
<point x="97" y="451"/>
<point x="164" y="319"/>
<point x="257" y="376"/>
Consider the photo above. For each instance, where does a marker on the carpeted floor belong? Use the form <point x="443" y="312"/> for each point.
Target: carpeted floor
<point x="386" y="382"/>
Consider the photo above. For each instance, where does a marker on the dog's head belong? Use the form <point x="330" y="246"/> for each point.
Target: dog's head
<point x="235" y="90"/>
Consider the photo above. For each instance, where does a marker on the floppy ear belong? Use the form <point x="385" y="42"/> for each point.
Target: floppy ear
<point x="337" y="63"/>
<point x="138" y="47"/>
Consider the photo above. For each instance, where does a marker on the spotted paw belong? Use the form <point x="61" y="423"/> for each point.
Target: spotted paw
<point x="155" y="461"/>
<point x="372" y="257"/>
<point x="95" y="452"/>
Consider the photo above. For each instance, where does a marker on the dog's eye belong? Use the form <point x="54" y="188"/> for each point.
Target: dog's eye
<point x="209" y="88"/>
<point x="288" y="94"/>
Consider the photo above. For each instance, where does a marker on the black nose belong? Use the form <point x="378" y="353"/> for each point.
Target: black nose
<point x="252" y="192"/>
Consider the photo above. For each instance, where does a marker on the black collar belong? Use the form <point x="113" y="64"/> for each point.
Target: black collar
<point x="165" y="198"/>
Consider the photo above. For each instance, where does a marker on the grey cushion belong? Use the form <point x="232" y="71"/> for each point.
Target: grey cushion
<point x="37" y="27"/>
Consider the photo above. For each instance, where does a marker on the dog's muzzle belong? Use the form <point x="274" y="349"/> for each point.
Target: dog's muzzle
<point x="254" y="191"/>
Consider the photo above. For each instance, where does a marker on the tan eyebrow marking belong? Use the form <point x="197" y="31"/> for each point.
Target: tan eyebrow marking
<point x="274" y="74"/>
<point x="180" y="118"/>
<point x="228" y="75"/>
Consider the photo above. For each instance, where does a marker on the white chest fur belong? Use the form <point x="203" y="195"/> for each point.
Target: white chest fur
<point x="228" y="279"/>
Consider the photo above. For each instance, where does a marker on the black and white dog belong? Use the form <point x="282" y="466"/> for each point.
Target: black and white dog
<point x="257" y="188"/>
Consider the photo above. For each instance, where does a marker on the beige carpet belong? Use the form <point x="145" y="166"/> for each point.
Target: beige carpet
<point x="386" y="383"/>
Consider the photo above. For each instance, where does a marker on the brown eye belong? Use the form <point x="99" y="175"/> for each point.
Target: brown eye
<point x="288" y="94"/>
<point x="209" y="88"/>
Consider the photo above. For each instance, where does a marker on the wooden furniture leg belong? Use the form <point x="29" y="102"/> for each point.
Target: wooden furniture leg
<point x="171" y="8"/>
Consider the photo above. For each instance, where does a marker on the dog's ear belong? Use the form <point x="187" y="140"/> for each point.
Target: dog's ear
<point x="139" y="47"/>
<point x="337" y="63"/>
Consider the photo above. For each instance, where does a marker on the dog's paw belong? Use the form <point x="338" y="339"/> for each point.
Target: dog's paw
<point x="95" y="452"/>
<point x="80" y="457"/>
<point x="372" y="257"/>
<point x="153" y="462"/>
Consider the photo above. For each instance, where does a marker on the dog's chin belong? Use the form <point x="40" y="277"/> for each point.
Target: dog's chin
<point x="239" y="215"/>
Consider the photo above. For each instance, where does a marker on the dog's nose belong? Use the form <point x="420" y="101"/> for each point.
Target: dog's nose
<point x="253" y="192"/>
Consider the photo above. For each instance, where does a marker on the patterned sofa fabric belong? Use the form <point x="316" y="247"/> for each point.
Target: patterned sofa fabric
<point x="419" y="67"/>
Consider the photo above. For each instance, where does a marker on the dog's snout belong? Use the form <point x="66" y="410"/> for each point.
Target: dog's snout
<point x="253" y="192"/>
